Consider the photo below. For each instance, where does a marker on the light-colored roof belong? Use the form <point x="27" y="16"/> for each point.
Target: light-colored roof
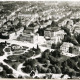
<point x="52" y="29"/>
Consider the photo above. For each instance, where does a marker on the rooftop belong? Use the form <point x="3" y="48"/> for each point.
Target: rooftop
<point x="52" y="29"/>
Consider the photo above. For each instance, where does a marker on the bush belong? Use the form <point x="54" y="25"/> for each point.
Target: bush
<point x="48" y="70"/>
<point x="53" y="70"/>
<point x="56" y="53"/>
<point x="38" y="68"/>
<point x="45" y="54"/>
<point x="7" y="49"/>
<point x="27" y="69"/>
<point x="30" y="62"/>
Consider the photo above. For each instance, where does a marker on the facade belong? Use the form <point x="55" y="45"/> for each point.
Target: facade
<point x="32" y="38"/>
<point x="65" y="47"/>
<point x="54" y="34"/>
<point x="31" y="29"/>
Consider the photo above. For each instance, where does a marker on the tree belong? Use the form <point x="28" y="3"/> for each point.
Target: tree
<point x="27" y="69"/>
<point x="53" y="46"/>
<point x="37" y="51"/>
<point x="56" y="53"/>
<point x="64" y="64"/>
<point x="53" y="60"/>
<point x="9" y="71"/>
<point x="70" y="39"/>
<point x="66" y="30"/>
<point x="43" y="70"/>
<point x="78" y="38"/>
<point x="45" y="54"/>
<point x="58" y="70"/>
<point x="53" y="70"/>
<point x="14" y="66"/>
<point x="71" y="74"/>
<point x="20" y="77"/>
<point x="70" y="49"/>
<point x="3" y="74"/>
<point x="38" y="68"/>
<point x="11" y="76"/>
<point x="30" y="62"/>
<point x="78" y="64"/>
<point x="48" y="70"/>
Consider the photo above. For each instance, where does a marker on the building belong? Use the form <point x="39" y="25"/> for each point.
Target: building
<point x="65" y="47"/>
<point x="32" y="28"/>
<point x="32" y="38"/>
<point x="50" y="32"/>
<point x="21" y="16"/>
<point x="54" y="34"/>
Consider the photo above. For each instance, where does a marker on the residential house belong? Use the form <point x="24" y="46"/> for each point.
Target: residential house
<point x="65" y="47"/>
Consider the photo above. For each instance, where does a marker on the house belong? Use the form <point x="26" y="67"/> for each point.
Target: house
<point x="54" y="33"/>
<point x="65" y="46"/>
<point x="32" y="28"/>
<point x="50" y="31"/>
<point x="32" y="38"/>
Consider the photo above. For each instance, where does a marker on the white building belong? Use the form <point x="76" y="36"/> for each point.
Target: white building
<point x="55" y="35"/>
<point x="65" y="46"/>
